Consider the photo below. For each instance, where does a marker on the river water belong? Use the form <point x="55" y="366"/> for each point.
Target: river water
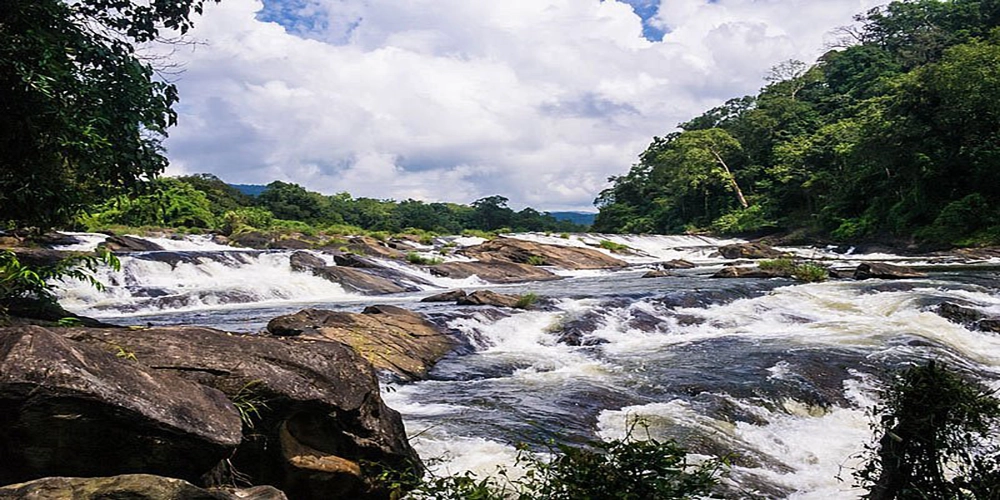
<point x="775" y="375"/>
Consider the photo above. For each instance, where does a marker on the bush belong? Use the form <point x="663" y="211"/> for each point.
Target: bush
<point x="417" y="259"/>
<point x="783" y="265"/>
<point x="810" y="273"/>
<point x="247" y="217"/>
<point x="614" y="247"/>
<point x="618" y="469"/>
<point x="527" y="300"/>
<point x="536" y="260"/>
<point x="19" y="281"/>
<point x="933" y="438"/>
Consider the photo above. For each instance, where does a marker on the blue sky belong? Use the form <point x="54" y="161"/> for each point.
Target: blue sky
<point x="453" y="100"/>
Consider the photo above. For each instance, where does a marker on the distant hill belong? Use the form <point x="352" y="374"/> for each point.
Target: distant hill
<point x="250" y="189"/>
<point x="582" y="218"/>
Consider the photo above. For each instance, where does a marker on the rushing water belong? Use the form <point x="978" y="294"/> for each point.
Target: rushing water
<point x="774" y="374"/>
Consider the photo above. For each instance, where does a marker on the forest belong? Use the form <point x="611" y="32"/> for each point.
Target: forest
<point x="893" y="135"/>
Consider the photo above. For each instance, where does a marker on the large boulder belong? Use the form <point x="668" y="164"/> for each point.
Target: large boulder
<point x="70" y="409"/>
<point x="490" y="298"/>
<point x="354" y="260"/>
<point x="363" y="281"/>
<point x="129" y="487"/>
<point x="881" y="270"/>
<point x="399" y="341"/>
<point x="751" y="272"/>
<point x="126" y="244"/>
<point x="525" y="252"/>
<point x="969" y="317"/>
<point x="493" y="272"/>
<point x="750" y="251"/>
<point x="449" y="296"/>
<point x="372" y="247"/>
<point x="321" y="393"/>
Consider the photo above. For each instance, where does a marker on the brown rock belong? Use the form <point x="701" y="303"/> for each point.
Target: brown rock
<point x="657" y="273"/>
<point x="125" y="244"/>
<point x="305" y="262"/>
<point x="520" y="252"/>
<point x="373" y="247"/>
<point x="357" y="280"/>
<point x="250" y="239"/>
<point x="449" y="296"/>
<point x="677" y="264"/>
<point x="493" y="272"/>
<point x="70" y="409"/>
<point x="489" y="298"/>
<point x="391" y="338"/>
<point x="881" y="270"/>
<point x="326" y="394"/>
<point x="128" y="486"/>
<point x="750" y="251"/>
<point x="356" y="261"/>
<point x="750" y="272"/>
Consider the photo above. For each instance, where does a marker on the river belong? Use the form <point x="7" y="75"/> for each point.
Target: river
<point x="775" y="375"/>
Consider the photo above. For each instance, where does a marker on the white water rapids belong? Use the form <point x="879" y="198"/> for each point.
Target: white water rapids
<point x="776" y="375"/>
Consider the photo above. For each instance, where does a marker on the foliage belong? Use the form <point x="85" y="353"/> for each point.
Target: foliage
<point x="780" y="265"/>
<point x="83" y="115"/>
<point x="169" y="203"/>
<point x="417" y="259"/>
<point x="810" y="273"/>
<point x="20" y="281"/>
<point x="624" y="469"/>
<point x="526" y="301"/>
<point x="249" y="402"/>
<point x="535" y="260"/>
<point x="614" y="247"/>
<point x="933" y="438"/>
<point x="894" y="134"/>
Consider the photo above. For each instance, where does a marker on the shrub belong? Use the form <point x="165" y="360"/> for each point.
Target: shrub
<point x="527" y="300"/>
<point x="784" y="265"/>
<point x="536" y="260"/>
<point x="254" y="217"/>
<point x="932" y="438"/>
<point x="810" y="273"/>
<point x="19" y="281"/>
<point x="614" y="247"/>
<point x="417" y="259"/>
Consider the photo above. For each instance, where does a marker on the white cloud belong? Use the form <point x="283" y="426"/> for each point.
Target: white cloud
<point x="452" y="100"/>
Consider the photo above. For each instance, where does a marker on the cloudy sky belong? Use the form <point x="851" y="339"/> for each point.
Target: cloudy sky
<point x="453" y="100"/>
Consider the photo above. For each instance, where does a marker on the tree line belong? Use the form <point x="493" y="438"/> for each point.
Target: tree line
<point x="894" y="134"/>
<point x="205" y="202"/>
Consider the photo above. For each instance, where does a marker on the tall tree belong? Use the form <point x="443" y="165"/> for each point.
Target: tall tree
<point x="83" y="115"/>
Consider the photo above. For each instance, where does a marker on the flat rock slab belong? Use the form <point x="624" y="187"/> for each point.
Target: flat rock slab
<point x="750" y="251"/>
<point x="490" y="298"/>
<point x="522" y="252"/>
<point x="391" y="338"/>
<point x="881" y="270"/>
<point x="493" y="272"/>
<point x="71" y="409"/>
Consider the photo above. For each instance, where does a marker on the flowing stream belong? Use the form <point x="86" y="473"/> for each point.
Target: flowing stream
<point x="775" y="375"/>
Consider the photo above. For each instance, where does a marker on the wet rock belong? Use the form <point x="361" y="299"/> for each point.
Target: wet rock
<point x="70" y="409"/>
<point x="577" y="331"/>
<point x="750" y="251"/>
<point x="305" y="262"/>
<point x="370" y="246"/>
<point x="57" y="239"/>
<point x="364" y="281"/>
<point x="129" y="486"/>
<point x="171" y="258"/>
<point x="250" y="239"/>
<point x="881" y="270"/>
<point x="126" y="244"/>
<point x="517" y="251"/>
<point x="449" y="296"/>
<point x="356" y="261"/>
<point x="657" y="273"/>
<point x="489" y="298"/>
<point x="677" y="264"/>
<point x="219" y="239"/>
<point x="291" y="243"/>
<point x="391" y="338"/>
<point x="968" y="317"/>
<point x="323" y="393"/>
<point x="750" y="272"/>
<point x="493" y="272"/>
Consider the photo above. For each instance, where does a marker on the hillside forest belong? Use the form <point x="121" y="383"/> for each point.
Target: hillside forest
<point x="893" y="134"/>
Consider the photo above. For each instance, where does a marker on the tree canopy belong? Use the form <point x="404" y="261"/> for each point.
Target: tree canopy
<point x="83" y="114"/>
<point x="895" y="135"/>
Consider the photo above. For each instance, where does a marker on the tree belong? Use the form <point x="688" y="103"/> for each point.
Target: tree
<point x="83" y="115"/>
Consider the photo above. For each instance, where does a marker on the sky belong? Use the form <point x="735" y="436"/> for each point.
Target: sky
<point x="454" y="100"/>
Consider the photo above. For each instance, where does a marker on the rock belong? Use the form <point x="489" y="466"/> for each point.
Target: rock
<point x="321" y="392"/>
<point x="290" y="243"/>
<point x="391" y="338"/>
<point x="750" y="251"/>
<point x="375" y="248"/>
<point x="57" y="239"/>
<point x="577" y="330"/>
<point x="449" y="296"/>
<point x="750" y="272"/>
<point x="70" y="409"/>
<point x="969" y="317"/>
<point x="125" y="244"/>
<point x="356" y="261"/>
<point x="881" y="270"/>
<point x="517" y="251"/>
<point x="250" y="239"/>
<point x="489" y="298"/>
<point x="220" y="239"/>
<point x="305" y="262"/>
<point x="130" y="487"/>
<point x="356" y="280"/>
<point x="366" y="282"/>
<point x="657" y="273"/>
<point x="677" y="264"/>
<point x="493" y="272"/>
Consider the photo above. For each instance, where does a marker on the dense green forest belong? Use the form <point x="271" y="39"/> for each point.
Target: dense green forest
<point x="894" y="134"/>
<point x="205" y="202"/>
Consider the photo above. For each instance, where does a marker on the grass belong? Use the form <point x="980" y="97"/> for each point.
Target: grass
<point x="419" y="260"/>
<point x="536" y="260"/>
<point x="809" y="273"/>
<point x="526" y="301"/>
<point x="614" y="247"/>
<point x="249" y="402"/>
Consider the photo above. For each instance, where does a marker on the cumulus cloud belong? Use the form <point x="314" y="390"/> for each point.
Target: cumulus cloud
<point x="453" y="100"/>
